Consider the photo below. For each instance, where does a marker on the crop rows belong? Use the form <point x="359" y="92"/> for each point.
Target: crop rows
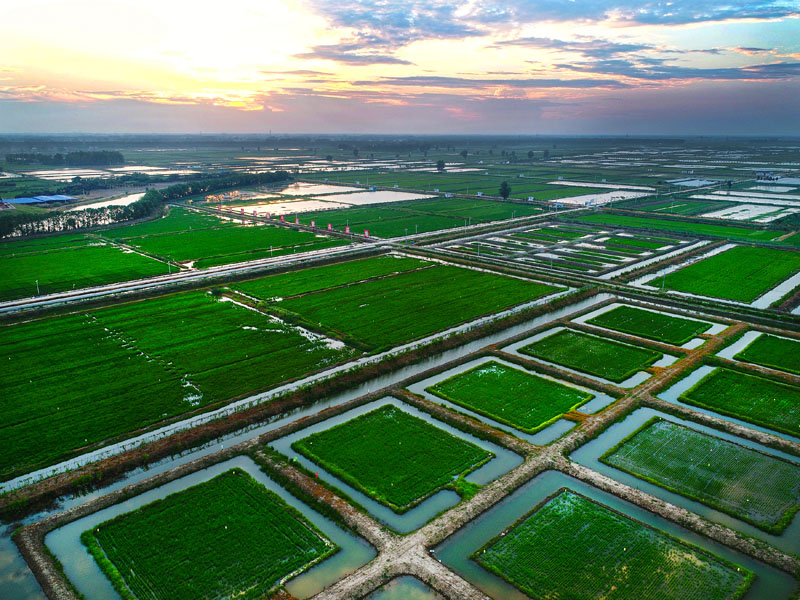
<point x="573" y="548"/>
<point x="742" y="273"/>
<point x="138" y="364"/>
<point x="590" y="354"/>
<point x="228" y="537"/>
<point x="649" y="324"/>
<point x="748" y="397"/>
<point x="391" y="456"/>
<point x="774" y="352"/>
<point x="750" y="485"/>
<point x="511" y="396"/>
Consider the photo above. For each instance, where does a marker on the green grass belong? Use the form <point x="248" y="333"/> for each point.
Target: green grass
<point x="73" y="381"/>
<point x="724" y="231"/>
<point x="229" y="537"/>
<point x="684" y="207"/>
<point x="382" y="313"/>
<point x="586" y="353"/>
<point x="742" y="273"/>
<point x="573" y="548"/>
<point x="774" y="352"/>
<point x="649" y="324"/>
<point x="511" y="396"/>
<point x="748" y="397"/>
<point x="73" y="266"/>
<point x="393" y="457"/>
<point x="758" y="488"/>
<point x="175" y="221"/>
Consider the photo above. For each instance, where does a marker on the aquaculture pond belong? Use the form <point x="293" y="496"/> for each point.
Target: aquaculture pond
<point x="81" y="569"/>
<point x="552" y="427"/>
<point x="457" y="551"/>
<point x="730" y="490"/>
<point x="377" y="498"/>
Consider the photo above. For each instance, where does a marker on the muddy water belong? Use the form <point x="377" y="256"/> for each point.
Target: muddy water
<point x="673" y="393"/>
<point x="455" y="551"/>
<point x="589" y="453"/>
<point x="17" y="581"/>
<point x="405" y="587"/>
<point x="415" y="518"/>
<point x="83" y="571"/>
<point x="545" y="436"/>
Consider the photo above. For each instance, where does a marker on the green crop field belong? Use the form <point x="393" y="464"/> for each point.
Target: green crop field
<point x="393" y="457"/>
<point x="590" y="354"/>
<point x="229" y="537"/>
<point x="748" y="397"/>
<point x="742" y="273"/>
<point x="649" y="324"/>
<point x="574" y="548"/>
<point x="329" y="276"/>
<point x="774" y="352"/>
<point x="684" y="207"/>
<point x="112" y="371"/>
<point x="225" y="245"/>
<point x="76" y="263"/>
<point x="511" y="396"/>
<point x="758" y="488"/>
<point x="177" y="220"/>
<point x="382" y="313"/>
<point x="731" y="232"/>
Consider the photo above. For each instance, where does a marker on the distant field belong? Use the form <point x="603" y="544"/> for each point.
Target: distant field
<point x="229" y="537"/>
<point x="385" y="312"/>
<point x="175" y="221"/>
<point x="681" y="206"/>
<point x="393" y="457"/>
<point x="748" y="397"/>
<point x="137" y="364"/>
<point x="774" y="352"/>
<point x="72" y="265"/>
<point x="230" y="244"/>
<point x="572" y="547"/>
<point x="511" y="396"/>
<point x="329" y="276"/>
<point x="651" y="325"/>
<point x="749" y="485"/>
<point x="742" y="273"/>
<point x="604" y="358"/>
<point x="724" y="231"/>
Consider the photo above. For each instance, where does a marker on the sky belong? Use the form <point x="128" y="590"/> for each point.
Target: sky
<point x="679" y="67"/>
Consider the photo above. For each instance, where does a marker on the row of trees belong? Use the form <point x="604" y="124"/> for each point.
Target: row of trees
<point x="96" y="158"/>
<point x="16" y="224"/>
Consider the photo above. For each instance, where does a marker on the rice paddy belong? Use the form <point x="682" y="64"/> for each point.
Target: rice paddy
<point x="649" y="324"/>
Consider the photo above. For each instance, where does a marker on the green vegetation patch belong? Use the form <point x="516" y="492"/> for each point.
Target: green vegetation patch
<point x="74" y="265"/>
<point x="649" y="324"/>
<point x="393" y="457"/>
<point x="511" y="396"/>
<point x="572" y="547"/>
<point x="774" y="352"/>
<point x="748" y="397"/>
<point x="742" y="273"/>
<point x="229" y="537"/>
<point x="382" y="313"/>
<point x="586" y="353"/>
<point x="758" y="488"/>
<point x="724" y="231"/>
<point x="77" y="380"/>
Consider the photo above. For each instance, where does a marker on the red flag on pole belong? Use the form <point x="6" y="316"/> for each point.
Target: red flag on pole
<point x="283" y="220"/>
<point x="330" y="227"/>
<point x="347" y="228"/>
<point x="297" y="220"/>
<point x="366" y="233"/>
<point x="313" y="223"/>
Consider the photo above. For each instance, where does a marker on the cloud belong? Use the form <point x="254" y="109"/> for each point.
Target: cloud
<point x="597" y="48"/>
<point x="654" y="69"/>
<point x="464" y="82"/>
<point x="348" y="55"/>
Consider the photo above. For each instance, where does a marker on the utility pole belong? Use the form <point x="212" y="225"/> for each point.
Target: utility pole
<point x="37" y="287"/>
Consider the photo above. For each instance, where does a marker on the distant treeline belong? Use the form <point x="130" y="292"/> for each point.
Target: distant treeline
<point x="16" y="224"/>
<point x="99" y="158"/>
